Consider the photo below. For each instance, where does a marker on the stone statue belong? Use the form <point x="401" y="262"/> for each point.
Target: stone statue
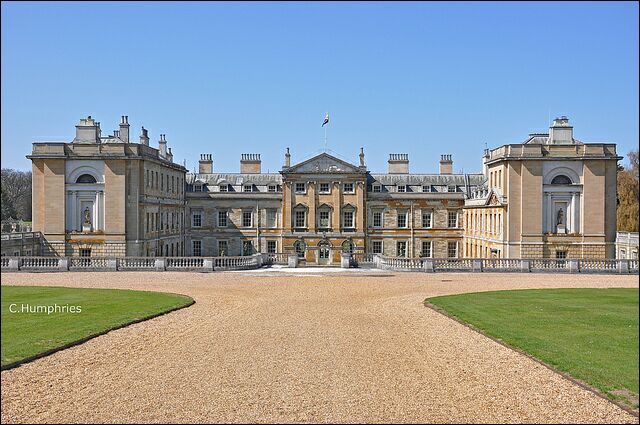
<point x="560" y="217"/>
<point x="87" y="217"/>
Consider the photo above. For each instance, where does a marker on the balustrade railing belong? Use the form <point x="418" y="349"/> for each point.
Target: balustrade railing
<point x="278" y="258"/>
<point x="184" y="263"/>
<point x="136" y="263"/>
<point x="379" y="261"/>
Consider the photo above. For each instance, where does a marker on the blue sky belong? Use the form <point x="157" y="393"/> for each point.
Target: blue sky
<point x="231" y="78"/>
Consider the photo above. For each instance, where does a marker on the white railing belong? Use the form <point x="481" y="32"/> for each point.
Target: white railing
<point x="549" y="265"/>
<point x="400" y="263"/>
<point x="184" y="263"/>
<point x="38" y="263"/>
<point x="599" y="265"/>
<point x="278" y="258"/>
<point x="5" y="262"/>
<point x="452" y="264"/>
<point x="499" y="264"/>
<point x="236" y="263"/>
<point x="363" y="257"/>
<point x="136" y="263"/>
<point x="505" y="264"/>
<point x="77" y="263"/>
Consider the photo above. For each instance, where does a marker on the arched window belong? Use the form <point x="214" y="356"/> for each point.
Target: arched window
<point x="86" y="178"/>
<point x="561" y="179"/>
<point x="299" y="246"/>
<point x="347" y="247"/>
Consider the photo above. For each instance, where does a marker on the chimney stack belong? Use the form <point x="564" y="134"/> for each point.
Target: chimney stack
<point x="124" y="129"/>
<point x="250" y="163"/>
<point x="87" y="131"/>
<point x="398" y="163"/>
<point x="287" y="159"/>
<point x="144" y="137"/>
<point x="162" y="146"/>
<point x="561" y="132"/>
<point x="446" y="164"/>
<point x="170" y="155"/>
<point x="205" y="165"/>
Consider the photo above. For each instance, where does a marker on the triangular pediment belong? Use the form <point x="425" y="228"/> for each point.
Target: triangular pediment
<point x="493" y="199"/>
<point x="323" y="163"/>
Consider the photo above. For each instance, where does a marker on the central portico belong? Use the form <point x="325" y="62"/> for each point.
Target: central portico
<point x="323" y="208"/>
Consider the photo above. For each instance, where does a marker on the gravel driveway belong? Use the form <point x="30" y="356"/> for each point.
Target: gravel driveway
<point x="269" y="347"/>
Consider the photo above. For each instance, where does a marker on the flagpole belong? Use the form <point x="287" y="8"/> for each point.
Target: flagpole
<point x="325" y="137"/>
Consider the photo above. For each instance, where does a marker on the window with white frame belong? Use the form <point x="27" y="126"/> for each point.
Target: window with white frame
<point x="453" y="218"/>
<point x="376" y="247"/>
<point x="300" y="218"/>
<point x="222" y="219"/>
<point x="196" y="248"/>
<point x="223" y="248"/>
<point x="324" y="218"/>
<point x="246" y="218"/>
<point x="324" y="188"/>
<point x="377" y="188"/>
<point x="427" y="219"/>
<point x="224" y="188"/>
<point x="426" y="188"/>
<point x="197" y="219"/>
<point x="272" y="188"/>
<point x="348" y="219"/>
<point x="377" y="219"/>
<point x="347" y="188"/>
<point x="247" y="247"/>
<point x="452" y="249"/>
<point x="401" y="248"/>
<point x="402" y="188"/>
<point x="402" y="218"/>
<point x="451" y="188"/>
<point x="197" y="188"/>
<point x="247" y="188"/>
<point x="426" y="249"/>
<point x="300" y="187"/>
<point x="271" y="247"/>
<point x="272" y="218"/>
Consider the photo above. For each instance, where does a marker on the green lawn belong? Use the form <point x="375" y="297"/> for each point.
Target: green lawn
<point x="25" y="334"/>
<point x="591" y="334"/>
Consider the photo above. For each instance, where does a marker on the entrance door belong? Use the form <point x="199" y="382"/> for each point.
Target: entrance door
<point x="323" y="254"/>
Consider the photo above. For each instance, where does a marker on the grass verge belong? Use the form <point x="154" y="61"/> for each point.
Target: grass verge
<point x="31" y="330"/>
<point x="589" y="334"/>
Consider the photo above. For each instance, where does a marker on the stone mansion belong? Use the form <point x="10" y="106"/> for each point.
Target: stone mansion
<point x="550" y="196"/>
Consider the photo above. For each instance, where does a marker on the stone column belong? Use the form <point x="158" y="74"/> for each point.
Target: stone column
<point x="311" y="195"/>
<point x="572" y="219"/>
<point x="336" y="222"/>
<point x="550" y="222"/>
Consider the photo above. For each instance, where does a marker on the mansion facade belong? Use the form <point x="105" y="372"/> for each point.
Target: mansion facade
<point x="549" y="197"/>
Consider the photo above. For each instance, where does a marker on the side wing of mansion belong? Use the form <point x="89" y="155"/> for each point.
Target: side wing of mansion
<point x="551" y="196"/>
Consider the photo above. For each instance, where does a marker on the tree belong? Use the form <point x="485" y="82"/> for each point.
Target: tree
<point x="628" y="193"/>
<point x="16" y="193"/>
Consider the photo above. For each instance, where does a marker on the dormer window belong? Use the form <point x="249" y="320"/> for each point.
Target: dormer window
<point x="197" y="188"/>
<point x="272" y="188"/>
<point x="224" y="188"/>
<point x="451" y="189"/>
<point x="377" y="188"/>
<point x="426" y="188"/>
<point x="402" y="188"/>
<point x="247" y="188"/>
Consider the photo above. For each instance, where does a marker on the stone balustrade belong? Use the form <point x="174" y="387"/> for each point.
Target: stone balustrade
<point x="205" y="264"/>
<point x="505" y="265"/>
